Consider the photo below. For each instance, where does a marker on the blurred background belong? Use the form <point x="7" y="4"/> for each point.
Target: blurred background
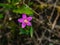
<point x="45" y="23"/>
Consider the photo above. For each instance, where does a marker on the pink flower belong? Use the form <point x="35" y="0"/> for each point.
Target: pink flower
<point x="25" y="20"/>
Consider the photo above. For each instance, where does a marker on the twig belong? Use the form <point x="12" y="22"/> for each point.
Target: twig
<point x="53" y="11"/>
<point x="54" y="23"/>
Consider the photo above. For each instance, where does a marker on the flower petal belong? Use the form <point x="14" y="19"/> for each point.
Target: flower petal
<point x="23" y="25"/>
<point x="29" y="18"/>
<point x="24" y="16"/>
<point x="20" y="20"/>
<point x="29" y="24"/>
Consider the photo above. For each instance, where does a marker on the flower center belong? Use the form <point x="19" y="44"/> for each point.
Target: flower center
<point x="26" y="21"/>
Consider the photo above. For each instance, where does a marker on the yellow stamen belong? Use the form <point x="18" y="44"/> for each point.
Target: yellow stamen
<point x="26" y="21"/>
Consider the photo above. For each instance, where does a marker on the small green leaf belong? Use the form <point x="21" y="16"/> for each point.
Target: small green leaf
<point x="23" y="31"/>
<point x="1" y="16"/>
<point x="31" y="32"/>
<point x="6" y="6"/>
<point x="23" y="9"/>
